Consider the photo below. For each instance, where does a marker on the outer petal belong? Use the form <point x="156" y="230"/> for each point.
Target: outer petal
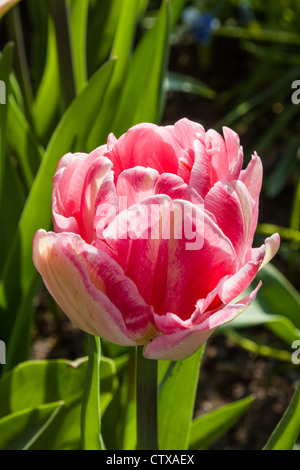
<point x="230" y="287"/>
<point x="91" y="288"/>
<point x="201" y="174"/>
<point x="215" y="143"/>
<point x="68" y="185"/>
<point x="96" y="178"/>
<point x="232" y="207"/>
<point x="234" y="152"/>
<point x="270" y="248"/>
<point x="252" y="178"/>
<point x="183" y="343"/>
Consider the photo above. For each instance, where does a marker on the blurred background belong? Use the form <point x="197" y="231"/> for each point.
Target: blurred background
<point x="221" y="63"/>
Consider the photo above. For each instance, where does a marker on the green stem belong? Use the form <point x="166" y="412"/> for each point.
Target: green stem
<point x="146" y="397"/>
<point x="90" y="413"/>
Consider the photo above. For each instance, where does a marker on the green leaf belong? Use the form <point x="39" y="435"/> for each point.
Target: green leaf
<point x="287" y="430"/>
<point x="23" y="143"/>
<point x="177" y="392"/>
<point x="256" y="346"/>
<point x="18" y="431"/>
<point x="184" y="83"/>
<point x="65" y="433"/>
<point x="60" y="14"/>
<point x="47" y="98"/>
<point x="102" y="24"/>
<point x="90" y="414"/>
<point x="141" y="98"/>
<point x="208" y="428"/>
<point x="5" y="67"/>
<point x="11" y="206"/>
<point x="78" y="26"/>
<point x="121" y="49"/>
<point x="277" y="306"/>
<point x="20" y="278"/>
<point x="36" y="383"/>
<point x="177" y="7"/>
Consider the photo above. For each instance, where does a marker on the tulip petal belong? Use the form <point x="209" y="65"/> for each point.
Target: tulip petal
<point x="252" y="176"/>
<point x="234" y="153"/>
<point x="232" y="207"/>
<point x="95" y="179"/>
<point x="216" y="147"/>
<point x="200" y="178"/>
<point x="68" y="186"/>
<point x="186" y="132"/>
<point x="185" y="342"/>
<point x="91" y="288"/>
<point x="134" y="185"/>
<point x="172" y="250"/>
<point x="174" y="187"/>
<point x="269" y="249"/>
<point x="146" y="145"/>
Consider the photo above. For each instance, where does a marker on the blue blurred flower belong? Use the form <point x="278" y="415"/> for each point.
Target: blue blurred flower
<point x="201" y="25"/>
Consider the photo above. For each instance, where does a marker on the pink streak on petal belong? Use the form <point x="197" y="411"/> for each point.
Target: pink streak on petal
<point x="90" y="288"/>
<point x="231" y="205"/>
<point x="234" y="152"/>
<point x="68" y="186"/>
<point x="215" y="143"/>
<point x="169" y="268"/>
<point x="134" y="185"/>
<point x="272" y="245"/>
<point x="94" y="180"/>
<point x="146" y="145"/>
<point x="174" y="187"/>
<point x="201" y="174"/>
<point x="186" y="132"/>
<point x="183" y="343"/>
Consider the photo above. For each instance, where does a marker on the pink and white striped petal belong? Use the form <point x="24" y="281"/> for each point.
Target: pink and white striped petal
<point x="182" y="254"/>
<point x="68" y="186"/>
<point x="232" y="206"/>
<point x="134" y="185"/>
<point x="185" y="342"/>
<point x="146" y="145"/>
<point x="91" y="288"/>
<point x="95" y="178"/>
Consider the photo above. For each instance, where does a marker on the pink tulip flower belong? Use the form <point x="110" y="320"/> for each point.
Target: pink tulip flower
<point x="153" y="237"/>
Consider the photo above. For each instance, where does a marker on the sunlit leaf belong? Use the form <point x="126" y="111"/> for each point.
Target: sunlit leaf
<point x="18" y="431"/>
<point x="176" y="401"/>
<point x="206" y="429"/>
<point x="20" y="278"/>
<point x="288" y="429"/>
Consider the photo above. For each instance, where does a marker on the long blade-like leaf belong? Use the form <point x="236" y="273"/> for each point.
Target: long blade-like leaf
<point x="20" y="430"/>
<point x="90" y="415"/>
<point x="176" y="401"/>
<point x="288" y="429"/>
<point x="19" y="275"/>
<point x="208" y="428"/>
